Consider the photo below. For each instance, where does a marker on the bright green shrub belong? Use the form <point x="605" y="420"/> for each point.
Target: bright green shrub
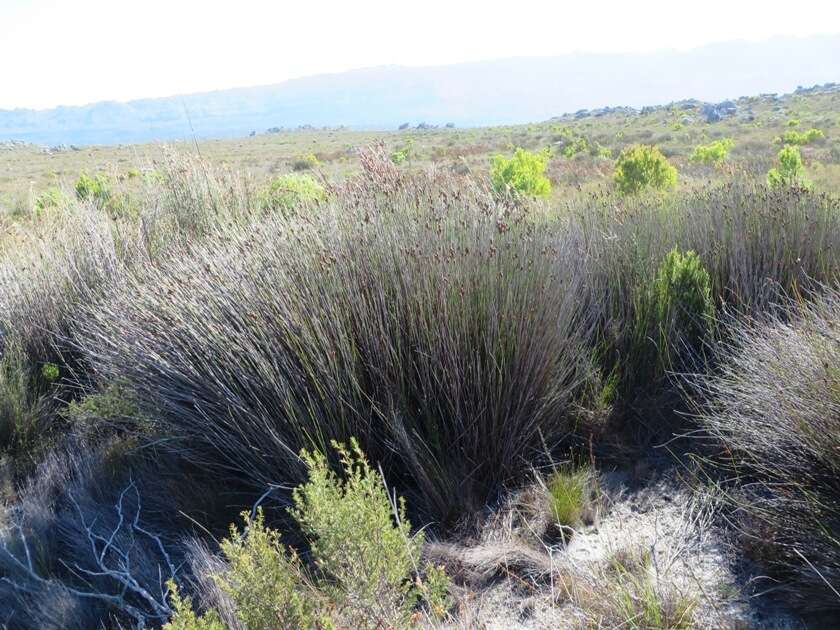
<point x="682" y="296"/>
<point x="672" y="314"/>
<point x="642" y="166"/>
<point x="360" y="540"/>
<point x="790" y="172"/>
<point x="266" y="582"/>
<point x="523" y="173"/>
<point x="184" y="618"/>
<point x="802" y="138"/>
<point x="290" y="190"/>
<point x="713" y="153"/>
<point x="365" y="559"/>
<point x="50" y="199"/>
<point x="93" y="188"/>
<point x="398" y="157"/>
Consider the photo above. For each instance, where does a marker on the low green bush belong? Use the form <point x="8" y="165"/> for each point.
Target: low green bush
<point x="790" y="171"/>
<point x="365" y="570"/>
<point x="674" y="314"/>
<point x="642" y="166"/>
<point x="713" y="153"/>
<point x="524" y="173"/>
<point x="50" y="199"/>
<point x="95" y="187"/>
<point x="288" y="191"/>
<point x="798" y="138"/>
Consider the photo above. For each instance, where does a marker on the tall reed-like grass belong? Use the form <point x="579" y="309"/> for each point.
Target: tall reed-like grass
<point x="774" y="404"/>
<point x="442" y="331"/>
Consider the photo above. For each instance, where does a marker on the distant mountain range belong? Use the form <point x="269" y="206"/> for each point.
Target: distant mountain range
<point x="503" y="91"/>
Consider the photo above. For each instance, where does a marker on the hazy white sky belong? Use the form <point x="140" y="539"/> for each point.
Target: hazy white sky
<point x="78" y="51"/>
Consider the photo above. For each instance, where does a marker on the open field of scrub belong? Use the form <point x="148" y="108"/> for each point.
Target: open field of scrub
<point x="415" y="396"/>
<point x="583" y="145"/>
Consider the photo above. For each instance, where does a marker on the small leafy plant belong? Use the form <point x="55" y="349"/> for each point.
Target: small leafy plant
<point x="642" y="166"/>
<point x="285" y="192"/>
<point x="366" y="563"/>
<point x="524" y="173"/>
<point x="790" y="171"/>
<point x="713" y="153"/>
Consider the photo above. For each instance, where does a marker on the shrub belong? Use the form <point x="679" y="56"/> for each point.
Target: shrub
<point x="365" y="561"/>
<point x="682" y="297"/>
<point x="359" y="540"/>
<point x="50" y="199"/>
<point x="305" y="162"/>
<point x="289" y="191"/>
<point x="95" y="188"/>
<point x="790" y="171"/>
<point x="641" y="166"/>
<point x="524" y="173"/>
<point x="774" y="404"/>
<point x="794" y="137"/>
<point x="713" y="153"/>
<point x="265" y="581"/>
<point x="183" y="617"/>
<point x="673" y="316"/>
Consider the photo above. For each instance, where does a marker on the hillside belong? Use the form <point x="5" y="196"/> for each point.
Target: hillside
<point x="472" y="94"/>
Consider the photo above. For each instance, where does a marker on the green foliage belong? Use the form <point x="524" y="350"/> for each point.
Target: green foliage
<point x="95" y="188"/>
<point x="568" y="491"/>
<point x="713" y="153"/>
<point x="285" y="192"/>
<point x="360" y="540"/>
<point x="50" y="372"/>
<point x="524" y="173"/>
<point x="184" y="618"/>
<point x="50" y="199"/>
<point x="790" y="171"/>
<point x="305" y="162"/>
<point x="642" y="606"/>
<point x="362" y="549"/>
<point x="793" y="122"/>
<point x="266" y="582"/>
<point x="682" y="296"/>
<point x="404" y="152"/>
<point x="673" y="313"/>
<point x="642" y="166"/>
<point x="98" y="190"/>
<point x="800" y="138"/>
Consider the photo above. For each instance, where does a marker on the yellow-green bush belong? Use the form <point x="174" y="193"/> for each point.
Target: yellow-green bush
<point x="365" y="568"/>
<point x="642" y="166"/>
<point x="713" y="153"/>
<point x="790" y="171"/>
<point x="290" y="190"/>
<point x="524" y="173"/>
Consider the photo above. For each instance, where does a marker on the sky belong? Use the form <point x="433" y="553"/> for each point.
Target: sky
<point x="75" y="52"/>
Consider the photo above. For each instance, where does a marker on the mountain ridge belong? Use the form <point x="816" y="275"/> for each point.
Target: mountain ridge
<point x="502" y="91"/>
